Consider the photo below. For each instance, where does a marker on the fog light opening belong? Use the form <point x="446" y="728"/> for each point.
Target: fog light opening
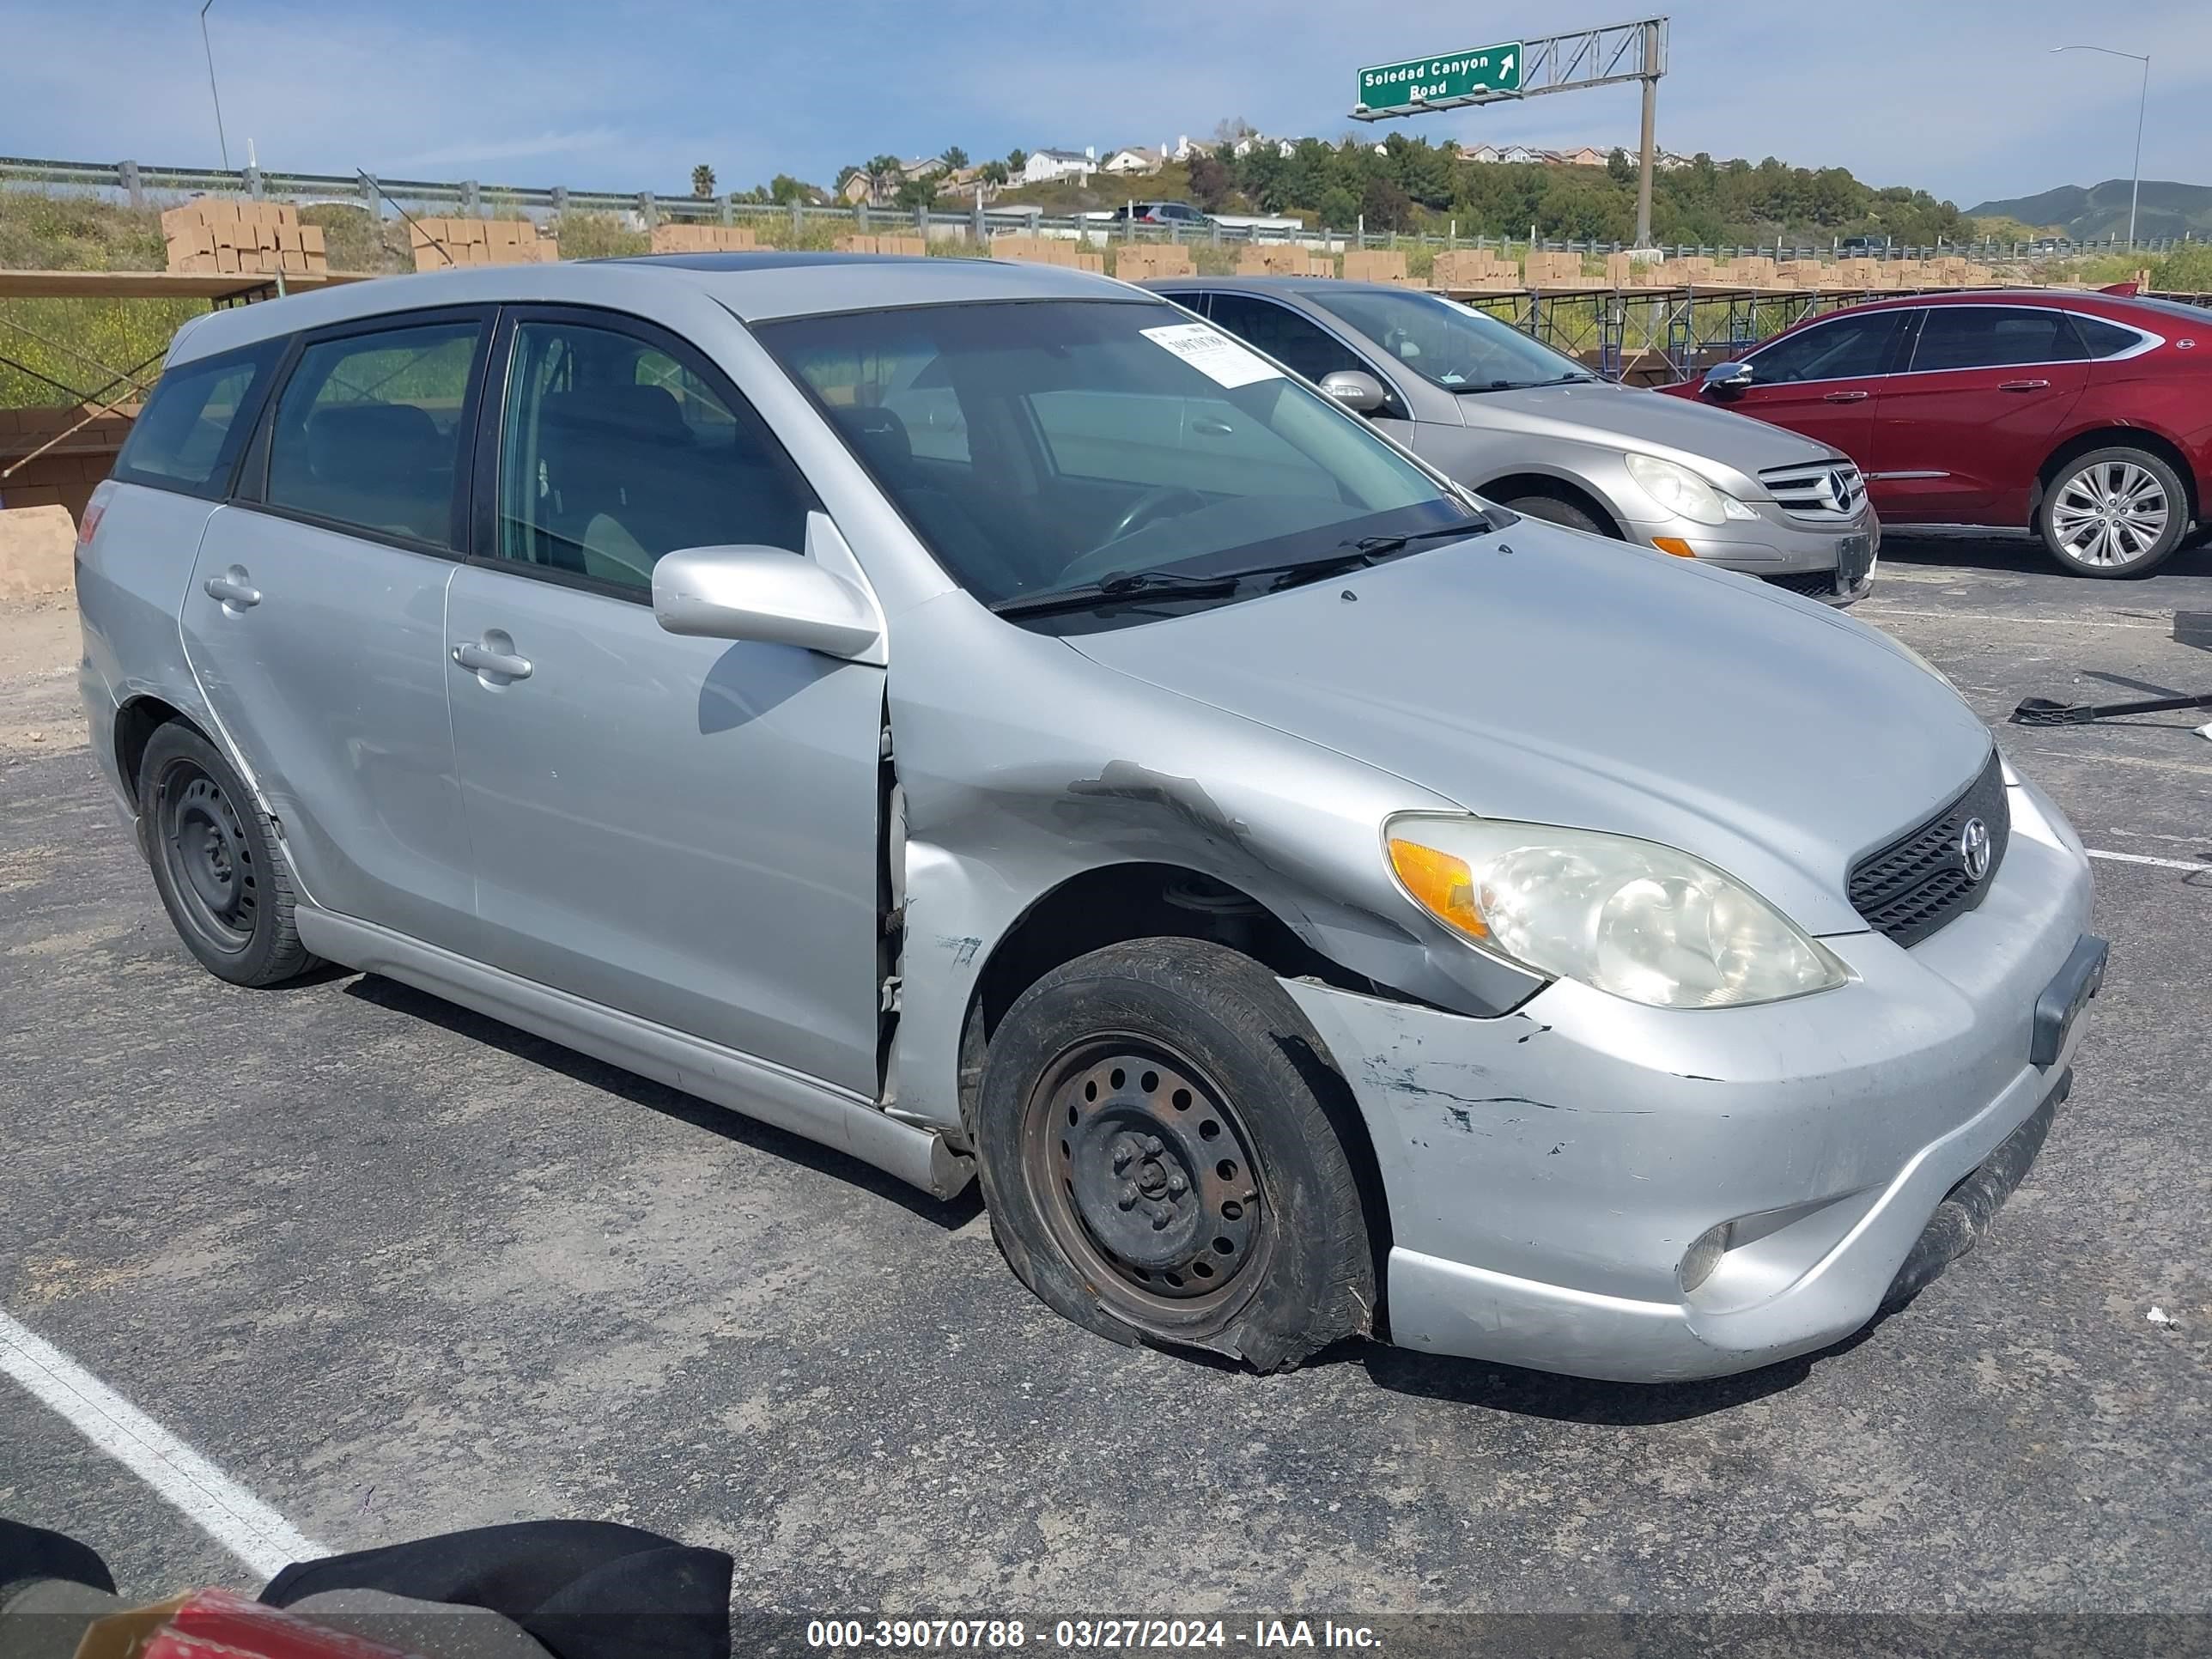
<point x="1704" y="1256"/>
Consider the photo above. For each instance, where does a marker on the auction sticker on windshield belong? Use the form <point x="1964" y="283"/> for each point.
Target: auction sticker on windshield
<point x="1212" y="354"/>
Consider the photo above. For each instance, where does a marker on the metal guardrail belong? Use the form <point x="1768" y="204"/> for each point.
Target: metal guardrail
<point x="136" y="181"/>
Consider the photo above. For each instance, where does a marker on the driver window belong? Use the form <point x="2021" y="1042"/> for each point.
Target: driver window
<point x="612" y="453"/>
<point x="1284" y="335"/>
<point x="1847" y="349"/>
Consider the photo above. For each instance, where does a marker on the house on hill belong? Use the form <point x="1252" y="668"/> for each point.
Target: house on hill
<point x="1044" y="166"/>
<point x="1132" y="160"/>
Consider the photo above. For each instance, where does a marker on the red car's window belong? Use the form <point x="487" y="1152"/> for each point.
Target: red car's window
<point x="1994" y="336"/>
<point x="1846" y="348"/>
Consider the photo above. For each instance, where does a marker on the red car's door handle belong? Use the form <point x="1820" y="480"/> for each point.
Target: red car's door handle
<point x="2022" y="385"/>
<point x="1846" y="396"/>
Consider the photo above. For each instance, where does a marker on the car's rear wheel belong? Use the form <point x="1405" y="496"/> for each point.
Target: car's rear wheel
<point x="1553" y="509"/>
<point x="2114" y="513"/>
<point x="215" y="863"/>
<point x="1162" y="1163"/>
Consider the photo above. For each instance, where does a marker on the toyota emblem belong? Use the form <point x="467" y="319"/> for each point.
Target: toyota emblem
<point x="1974" y="849"/>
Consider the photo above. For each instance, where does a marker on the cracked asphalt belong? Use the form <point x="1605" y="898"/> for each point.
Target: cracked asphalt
<point x="399" y="1269"/>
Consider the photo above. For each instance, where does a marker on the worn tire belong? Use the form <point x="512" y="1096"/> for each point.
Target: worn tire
<point x="1553" y="510"/>
<point x="227" y="888"/>
<point x="2120" y="457"/>
<point x="1301" y="1273"/>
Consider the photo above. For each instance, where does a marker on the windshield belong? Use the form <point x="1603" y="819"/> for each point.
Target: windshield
<point x="1039" y="445"/>
<point x="1450" y="345"/>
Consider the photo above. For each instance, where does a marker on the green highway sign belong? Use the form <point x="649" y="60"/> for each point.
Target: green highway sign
<point x="1487" y="70"/>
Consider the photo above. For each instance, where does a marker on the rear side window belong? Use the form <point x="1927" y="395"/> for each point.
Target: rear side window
<point x="189" y="434"/>
<point x="371" y="429"/>
<point x="1282" y="335"/>
<point x="1993" y="337"/>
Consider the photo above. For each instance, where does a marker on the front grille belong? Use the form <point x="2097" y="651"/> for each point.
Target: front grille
<point x="1812" y="584"/>
<point x="1918" y="882"/>
<point x="1826" y="492"/>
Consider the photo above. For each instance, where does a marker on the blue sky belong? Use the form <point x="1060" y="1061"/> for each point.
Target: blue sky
<point x="1956" y="95"/>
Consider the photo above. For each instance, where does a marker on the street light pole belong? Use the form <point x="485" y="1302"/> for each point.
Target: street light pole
<point x="223" y="143"/>
<point x="2135" y="189"/>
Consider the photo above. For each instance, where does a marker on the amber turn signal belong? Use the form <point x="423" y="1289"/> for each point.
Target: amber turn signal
<point x="1443" y="885"/>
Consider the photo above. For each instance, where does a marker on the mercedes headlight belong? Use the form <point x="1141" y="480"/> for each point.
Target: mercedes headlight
<point x="1681" y="493"/>
<point x="1629" y="917"/>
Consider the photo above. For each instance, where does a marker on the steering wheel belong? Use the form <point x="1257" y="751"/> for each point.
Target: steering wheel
<point x="1167" y="501"/>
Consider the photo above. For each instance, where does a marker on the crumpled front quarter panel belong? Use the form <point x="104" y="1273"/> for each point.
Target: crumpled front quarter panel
<point x="1023" y="763"/>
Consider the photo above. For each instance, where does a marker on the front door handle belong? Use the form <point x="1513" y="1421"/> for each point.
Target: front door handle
<point x="483" y="660"/>
<point x="1846" y="396"/>
<point x="2022" y="385"/>
<point x="233" y="589"/>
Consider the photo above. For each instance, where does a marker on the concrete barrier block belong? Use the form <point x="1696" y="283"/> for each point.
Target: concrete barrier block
<point x="37" y="547"/>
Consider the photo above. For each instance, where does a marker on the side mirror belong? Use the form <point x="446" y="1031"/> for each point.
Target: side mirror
<point x="1727" y="380"/>
<point x="1357" y="390"/>
<point x="764" y="594"/>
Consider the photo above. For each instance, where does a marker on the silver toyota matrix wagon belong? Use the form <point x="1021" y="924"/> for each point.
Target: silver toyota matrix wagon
<point x="986" y="720"/>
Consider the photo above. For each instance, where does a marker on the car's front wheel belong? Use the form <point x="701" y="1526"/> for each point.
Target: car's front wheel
<point x="1161" y="1150"/>
<point x="216" y="862"/>
<point x="2114" y="513"/>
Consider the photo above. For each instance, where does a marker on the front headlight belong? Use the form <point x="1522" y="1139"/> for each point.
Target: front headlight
<point x="1630" y="917"/>
<point x="1681" y="493"/>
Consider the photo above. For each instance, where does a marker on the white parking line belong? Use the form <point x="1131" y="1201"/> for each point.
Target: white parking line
<point x="264" y="1539"/>
<point x="2145" y="858"/>
<point x="1874" y="609"/>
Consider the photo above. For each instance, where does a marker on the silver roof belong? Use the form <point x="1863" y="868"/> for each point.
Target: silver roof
<point x="756" y="286"/>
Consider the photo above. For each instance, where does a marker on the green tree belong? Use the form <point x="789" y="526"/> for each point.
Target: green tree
<point x="1211" y="183"/>
<point x="954" y="158"/>
<point x="883" y="174"/>
<point x="783" y="190"/>
<point x="1016" y="159"/>
<point x="992" y="173"/>
<point x="1618" y="167"/>
<point x="702" y="182"/>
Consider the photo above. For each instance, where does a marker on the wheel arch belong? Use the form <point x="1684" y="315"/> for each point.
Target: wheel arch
<point x="135" y="722"/>
<point x="1558" y="487"/>
<point x="1118" y="903"/>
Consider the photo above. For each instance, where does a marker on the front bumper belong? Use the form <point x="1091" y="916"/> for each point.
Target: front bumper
<point x="1547" y="1170"/>
<point x="1775" y="548"/>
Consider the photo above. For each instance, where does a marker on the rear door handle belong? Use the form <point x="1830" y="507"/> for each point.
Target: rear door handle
<point x="1846" y="396"/>
<point x="233" y="589"/>
<point x="2022" y="385"/>
<point x="482" y="659"/>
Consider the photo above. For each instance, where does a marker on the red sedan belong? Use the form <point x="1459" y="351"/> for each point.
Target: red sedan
<point x="2084" y="417"/>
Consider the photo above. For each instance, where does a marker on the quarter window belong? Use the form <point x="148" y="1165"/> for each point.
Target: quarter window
<point x="613" y="453"/>
<point x="371" y="429"/>
<point x="189" y="433"/>
<point x="1993" y="337"/>
<point x="2104" y="339"/>
<point x="1846" y="348"/>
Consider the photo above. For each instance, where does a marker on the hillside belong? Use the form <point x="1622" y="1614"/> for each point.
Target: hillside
<point x="2088" y="215"/>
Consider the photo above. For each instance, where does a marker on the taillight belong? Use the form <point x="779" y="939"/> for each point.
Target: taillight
<point x="92" y="510"/>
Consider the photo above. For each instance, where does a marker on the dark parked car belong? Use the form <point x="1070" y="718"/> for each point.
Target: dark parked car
<point x="1160" y="213"/>
<point x="2085" y="416"/>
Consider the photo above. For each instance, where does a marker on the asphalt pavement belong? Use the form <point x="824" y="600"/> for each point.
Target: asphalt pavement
<point x="396" y="1269"/>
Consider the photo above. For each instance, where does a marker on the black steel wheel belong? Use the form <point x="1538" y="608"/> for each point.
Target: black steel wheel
<point x="1147" y="1175"/>
<point x="1168" y="1158"/>
<point x="216" y="862"/>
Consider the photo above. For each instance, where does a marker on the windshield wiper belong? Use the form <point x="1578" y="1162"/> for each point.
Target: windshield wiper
<point x="1527" y="385"/>
<point x="1122" y="585"/>
<point x="1218" y="585"/>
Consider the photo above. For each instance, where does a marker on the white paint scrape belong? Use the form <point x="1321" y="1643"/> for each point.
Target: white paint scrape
<point x="264" y="1539"/>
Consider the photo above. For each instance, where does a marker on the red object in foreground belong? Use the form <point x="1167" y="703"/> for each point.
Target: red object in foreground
<point x="2087" y="417"/>
<point x="217" y="1624"/>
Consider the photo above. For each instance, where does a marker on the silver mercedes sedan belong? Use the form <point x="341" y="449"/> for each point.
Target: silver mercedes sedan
<point x="986" y="720"/>
<point x="1536" y="429"/>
